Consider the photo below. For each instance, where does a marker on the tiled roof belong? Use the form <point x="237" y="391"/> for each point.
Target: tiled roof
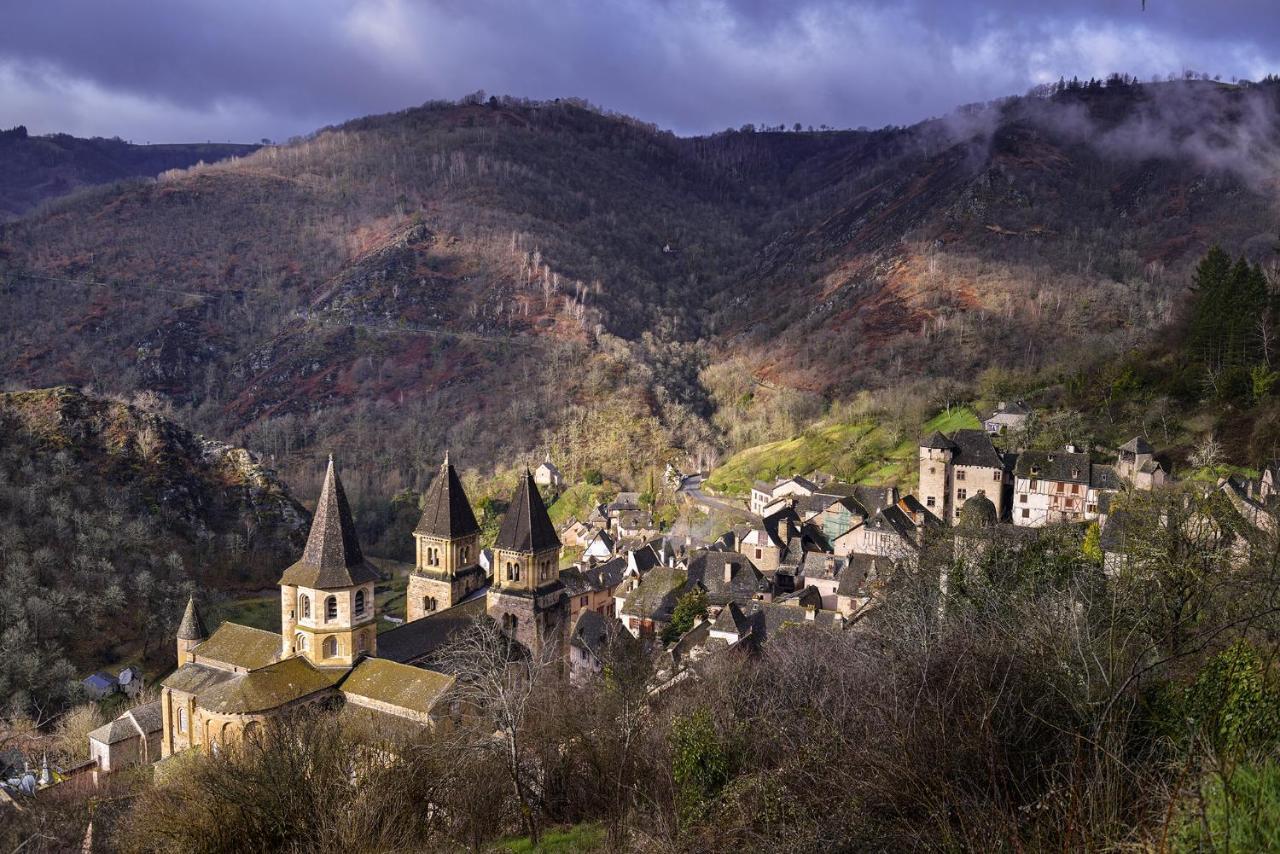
<point x="332" y="557"/>
<point x="395" y="684"/>
<point x="192" y="626"/>
<point x="419" y="639"/>
<point x="194" y="678"/>
<point x="938" y="442"/>
<point x="269" y="687"/>
<point x="1137" y="445"/>
<point x="143" y="720"/>
<point x="1105" y="477"/>
<point x="526" y="527"/>
<point x="823" y="566"/>
<point x="656" y="594"/>
<point x="445" y="509"/>
<point x="974" y="448"/>
<point x="745" y="581"/>
<point x="1061" y="466"/>
<point x="241" y="646"/>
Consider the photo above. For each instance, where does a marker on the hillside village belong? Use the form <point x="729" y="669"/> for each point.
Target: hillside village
<point x="810" y="550"/>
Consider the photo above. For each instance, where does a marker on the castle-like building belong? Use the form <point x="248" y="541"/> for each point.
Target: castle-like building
<point x="234" y="679"/>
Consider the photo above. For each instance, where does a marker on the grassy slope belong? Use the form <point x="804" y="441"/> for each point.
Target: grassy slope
<point x="861" y="451"/>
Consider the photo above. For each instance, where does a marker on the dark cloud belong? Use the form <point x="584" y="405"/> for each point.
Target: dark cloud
<point x="242" y="69"/>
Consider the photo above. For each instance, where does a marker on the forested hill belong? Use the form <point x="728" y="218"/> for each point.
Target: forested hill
<point x="501" y="276"/>
<point x="110" y="516"/>
<point x="36" y="168"/>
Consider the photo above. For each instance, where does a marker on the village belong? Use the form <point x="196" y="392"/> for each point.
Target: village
<point x="806" y="549"/>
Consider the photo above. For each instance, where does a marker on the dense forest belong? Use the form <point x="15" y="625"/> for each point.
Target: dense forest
<point x="110" y="517"/>
<point x="495" y="275"/>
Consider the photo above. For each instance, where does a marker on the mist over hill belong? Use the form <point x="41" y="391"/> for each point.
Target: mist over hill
<point x="499" y="277"/>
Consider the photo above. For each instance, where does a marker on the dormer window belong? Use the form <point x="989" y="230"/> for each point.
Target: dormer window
<point x="1075" y="473"/>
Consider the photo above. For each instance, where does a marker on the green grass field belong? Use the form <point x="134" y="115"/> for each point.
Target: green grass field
<point x="572" y="840"/>
<point x="858" y="452"/>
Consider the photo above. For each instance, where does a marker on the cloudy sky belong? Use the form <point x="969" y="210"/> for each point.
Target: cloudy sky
<point x="162" y="70"/>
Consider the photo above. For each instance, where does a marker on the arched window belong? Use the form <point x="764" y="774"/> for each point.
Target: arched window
<point x="466" y="555"/>
<point x="426" y="603"/>
<point x="362" y="642"/>
<point x="434" y="603"/>
<point x="331" y="609"/>
<point x="304" y="606"/>
<point x="300" y="643"/>
<point x="359" y="601"/>
<point x="330" y="647"/>
<point x="182" y="720"/>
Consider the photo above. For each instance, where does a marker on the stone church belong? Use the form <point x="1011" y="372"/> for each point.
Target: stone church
<point x="329" y="650"/>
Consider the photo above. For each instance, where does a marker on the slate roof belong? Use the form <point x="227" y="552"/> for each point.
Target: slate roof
<point x="656" y="594"/>
<point x="974" y="448"/>
<point x="772" y="617"/>
<point x="1137" y="445"/>
<point x="194" y="678"/>
<point x="1012" y="407"/>
<point x="859" y="569"/>
<point x="938" y="442"/>
<point x="192" y="626"/>
<point x="332" y="557"/>
<point x="732" y="619"/>
<point x="1061" y="466"/>
<point x="446" y="512"/>
<point x="809" y="597"/>
<point x="580" y="580"/>
<point x="1113" y="534"/>
<point x="822" y="566"/>
<point x="745" y="581"/>
<point x="241" y="646"/>
<point x="591" y="632"/>
<point x="269" y="687"/>
<point x="418" y="639"/>
<point x="1105" y="477"/>
<point x="526" y="527"/>
<point x="646" y="558"/>
<point x="401" y="685"/>
<point x="147" y="718"/>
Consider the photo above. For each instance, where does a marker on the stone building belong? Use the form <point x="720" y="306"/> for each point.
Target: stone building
<point x="954" y="469"/>
<point x="233" y="680"/>
<point x="446" y="569"/>
<point x="526" y="595"/>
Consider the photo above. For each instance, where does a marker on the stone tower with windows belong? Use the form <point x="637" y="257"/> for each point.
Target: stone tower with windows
<point x="526" y="596"/>
<point x="446" y="570"/>
<point x="327" y="610"/>
<point x="191" y="632"/>
<point x="936" y="454"/>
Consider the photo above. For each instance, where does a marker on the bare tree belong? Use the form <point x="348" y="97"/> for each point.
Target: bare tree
<point x="500" y="684"/>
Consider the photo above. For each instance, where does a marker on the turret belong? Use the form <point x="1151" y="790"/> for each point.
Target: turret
<point x="447" y="537"/>
<point x="526" y="595"/>
<point x="191" y="632"/>
<point x="327" y="610"/>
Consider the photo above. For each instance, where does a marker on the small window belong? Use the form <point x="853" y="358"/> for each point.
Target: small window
<point x="300" y="643"/>
<point x="330" y="647"/>
<point x="466" y="555"/>
<point x="1035" y="484"/>
<point x="929" y="502"/>
<point x="583" y="601"/>
<point x="362" y="642"/>
<point x="959" y="474"/>
<point x="1026" y="512"/>
<point x="304" y="606"/>
<point x="359" y="602"/>
<point x="995" y="477"/>
<point x="759" y="554"/>
<point x="182" y="720"/>
<point x="1022" y="497"/>
<point x="932" y="470"/>
<point x="1075" y="489"/>
<point x="331" y="609"/>
<point x="962" y="494"/>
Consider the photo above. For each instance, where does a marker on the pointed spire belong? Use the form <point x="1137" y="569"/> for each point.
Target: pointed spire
<point x="192" y="626"/>
<point x="446" y="512"/>
<point x="526" y="527"/>
<point x="333" y="557"/>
